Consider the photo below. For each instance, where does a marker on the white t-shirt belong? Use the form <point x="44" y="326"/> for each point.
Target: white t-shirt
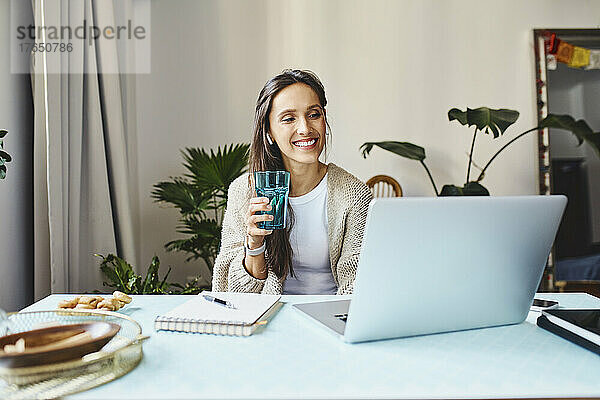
<point x="310" y="244"/>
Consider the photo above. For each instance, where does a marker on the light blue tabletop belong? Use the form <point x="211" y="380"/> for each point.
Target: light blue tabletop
<point x="296" y="358"/>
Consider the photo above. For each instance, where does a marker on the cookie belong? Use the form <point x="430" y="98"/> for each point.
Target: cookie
<point x="106" y="305"/>
<point x="87" y="299"/>
<point x="68" y="303"/>
<point x="122" y="297"/>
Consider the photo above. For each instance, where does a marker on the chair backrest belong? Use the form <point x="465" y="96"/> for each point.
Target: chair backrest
<point x="384" y="186"/>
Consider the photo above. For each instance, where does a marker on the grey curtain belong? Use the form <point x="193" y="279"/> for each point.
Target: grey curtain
<point x="84" y="151"/>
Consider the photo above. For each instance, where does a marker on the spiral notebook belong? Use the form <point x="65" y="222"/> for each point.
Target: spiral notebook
<point x="201" y="316"/>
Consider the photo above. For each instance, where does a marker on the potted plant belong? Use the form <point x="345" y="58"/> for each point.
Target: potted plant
<point x="486" y="120"/>
<point x="121" y="276"/>
<point x="200" y="195"/>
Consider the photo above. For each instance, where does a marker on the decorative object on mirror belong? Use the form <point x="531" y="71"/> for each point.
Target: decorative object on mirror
<point x="551" y="62"/>
<point x="564" y="54"/>
<point x="122" y="277"/>
<point x="4" y="156"/>
<point x="94" y="364"/>
<point x="200" y="195"/>
<point x="594" y="60"/>
<point x="486" y="120"/>
<point x="567" y="53"/>
<point x="581" y="58"/>
<point x="551" y="43"/>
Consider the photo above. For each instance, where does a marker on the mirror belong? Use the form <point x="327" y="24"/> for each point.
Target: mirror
<point x="569" y="169"/>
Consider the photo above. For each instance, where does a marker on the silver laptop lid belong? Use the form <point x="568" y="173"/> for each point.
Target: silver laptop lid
<point x="431" y="265"/>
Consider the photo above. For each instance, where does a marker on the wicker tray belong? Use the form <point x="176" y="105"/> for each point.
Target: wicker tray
<point x="122" y="354"/>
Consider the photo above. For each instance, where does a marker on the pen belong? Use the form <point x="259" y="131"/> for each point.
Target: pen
<point x="219" y="301"/>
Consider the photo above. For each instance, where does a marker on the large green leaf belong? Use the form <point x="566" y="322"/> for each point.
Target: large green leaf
<point x="451" y="190"/>
<point x="5" y="156"/>
<point x="202" y="227"/>
<point x="404" y="149"/>
<point x="594" y="141"/>
<point x="475" y="189"/>
<point x="3" y="132"/>
<point x="119" y="273"/>
<point x="184" y="195"/>
<point x="197" y="247"/>
<point x="215" y="171"/>
<point x="203" y="242"/>
<point x="579" y="128"/>
<point x="485" y="118"/>
<point x="470" y="189"/>
<point x="151" y="279"/>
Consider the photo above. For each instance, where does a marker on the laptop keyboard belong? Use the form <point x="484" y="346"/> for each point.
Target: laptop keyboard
<point x="343" y="316"/>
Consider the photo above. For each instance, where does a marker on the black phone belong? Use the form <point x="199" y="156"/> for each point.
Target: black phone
<point x="539" y="304"/>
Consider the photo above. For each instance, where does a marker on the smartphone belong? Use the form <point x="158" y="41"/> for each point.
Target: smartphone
<point x="539" y="305"/>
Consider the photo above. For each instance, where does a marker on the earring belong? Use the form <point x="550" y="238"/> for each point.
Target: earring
<point x="269" y="140"/>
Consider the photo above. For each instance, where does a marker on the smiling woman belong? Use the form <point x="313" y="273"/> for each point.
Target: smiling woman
<point x="317" y="252"/>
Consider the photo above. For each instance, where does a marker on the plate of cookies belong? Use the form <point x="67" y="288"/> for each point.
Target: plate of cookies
<point x="118" y="301"/>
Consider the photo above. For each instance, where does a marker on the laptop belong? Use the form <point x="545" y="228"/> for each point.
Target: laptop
<point x="432" y="265"/>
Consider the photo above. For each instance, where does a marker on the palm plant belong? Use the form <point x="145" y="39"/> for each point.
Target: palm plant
<point x="200" y="195"/>
<point x="486" y="120"/>
<point x="4" y="156"/>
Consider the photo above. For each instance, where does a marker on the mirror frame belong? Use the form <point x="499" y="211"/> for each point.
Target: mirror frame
<point x="578" y="37"/>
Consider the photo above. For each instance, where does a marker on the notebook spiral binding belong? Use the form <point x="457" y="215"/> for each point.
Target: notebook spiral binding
<point x="229" y="328"/>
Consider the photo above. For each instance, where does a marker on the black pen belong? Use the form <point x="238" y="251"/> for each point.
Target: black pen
<point x="219" y="301"/>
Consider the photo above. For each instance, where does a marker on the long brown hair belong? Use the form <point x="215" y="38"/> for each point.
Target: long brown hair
<point x="267" y="157"/>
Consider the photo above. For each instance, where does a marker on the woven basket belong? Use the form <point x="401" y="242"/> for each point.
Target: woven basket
<point x="119" y="356"/>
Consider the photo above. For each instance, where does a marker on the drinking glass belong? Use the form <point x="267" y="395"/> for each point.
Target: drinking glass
<point x="275" y="185"/>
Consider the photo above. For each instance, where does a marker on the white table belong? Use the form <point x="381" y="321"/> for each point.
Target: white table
<point x="296" y="358"/>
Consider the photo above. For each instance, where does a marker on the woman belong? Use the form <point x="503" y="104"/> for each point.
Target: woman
<point x="318" y="251"/>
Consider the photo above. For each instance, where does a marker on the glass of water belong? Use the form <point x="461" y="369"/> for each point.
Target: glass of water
<point x="275" y="185"/>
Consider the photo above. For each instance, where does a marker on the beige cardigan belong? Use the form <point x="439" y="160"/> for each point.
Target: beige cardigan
<point x="347" y="203"/>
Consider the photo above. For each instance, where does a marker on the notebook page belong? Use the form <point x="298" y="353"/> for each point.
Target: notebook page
<point x="250" y="307"/>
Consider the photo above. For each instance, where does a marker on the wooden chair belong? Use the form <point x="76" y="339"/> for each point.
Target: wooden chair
<point x="384" y="186"/>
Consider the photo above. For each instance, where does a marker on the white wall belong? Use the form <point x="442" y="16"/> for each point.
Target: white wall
<point x="392" y="70"/>
<point x="16" y="204"/>
<point x="577" y="92"/>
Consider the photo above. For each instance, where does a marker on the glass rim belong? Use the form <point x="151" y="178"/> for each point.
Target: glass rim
<point x="272" y="172"/>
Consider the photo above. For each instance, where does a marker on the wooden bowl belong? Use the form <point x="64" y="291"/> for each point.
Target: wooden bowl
<point x="57" y="343"/>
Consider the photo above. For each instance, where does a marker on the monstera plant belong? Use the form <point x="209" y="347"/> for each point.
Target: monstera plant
<point x="486" y="121"/>
<point x="4" y="156"/>
<point x="201" y="196"/>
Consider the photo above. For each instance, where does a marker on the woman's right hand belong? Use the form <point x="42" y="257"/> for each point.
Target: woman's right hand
<point x="256" y="235"/>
